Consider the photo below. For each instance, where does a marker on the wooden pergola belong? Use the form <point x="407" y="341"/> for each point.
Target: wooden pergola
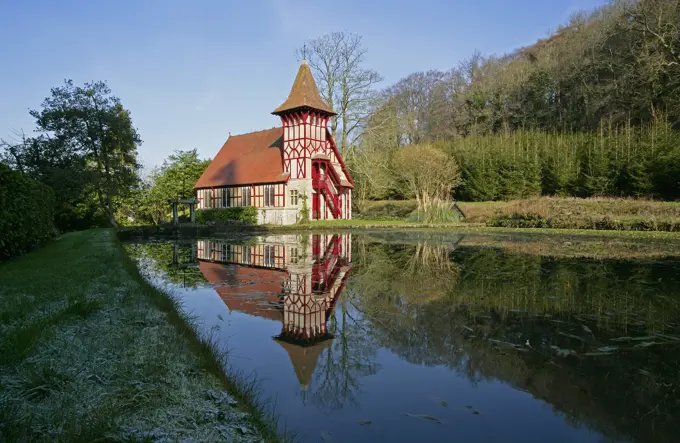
<point x="191" y="202"/>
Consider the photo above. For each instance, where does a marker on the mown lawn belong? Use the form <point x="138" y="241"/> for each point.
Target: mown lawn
<point x="90" y="352"/>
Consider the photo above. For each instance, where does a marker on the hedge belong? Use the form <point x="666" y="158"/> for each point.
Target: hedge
<point x="591" y="222"/>
<point x="247" y="214"/>
<point x="387" y="209"/>
<point x="26" y="213"/>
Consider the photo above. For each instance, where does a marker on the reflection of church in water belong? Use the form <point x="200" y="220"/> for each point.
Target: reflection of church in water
<point x="295" y="279"/>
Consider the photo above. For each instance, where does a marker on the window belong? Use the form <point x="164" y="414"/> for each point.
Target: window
<point x="294" y="197"/>
<point x="294" y="255"/>
<point x="201" y="198"/>
<point x="246" y="196"/>
<point x="269" y="255"/>
<point x="206" y="199"/>
<point x="225" y="197"/>
<point x="269" y="195"/>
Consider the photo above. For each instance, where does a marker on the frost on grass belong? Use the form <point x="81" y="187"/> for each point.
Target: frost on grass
<point x="100" y="361"/>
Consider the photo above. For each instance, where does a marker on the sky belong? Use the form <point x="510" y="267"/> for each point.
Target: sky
<point x="192" y="72"/>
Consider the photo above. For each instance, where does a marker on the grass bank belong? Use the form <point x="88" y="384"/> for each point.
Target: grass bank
<point x="548" y="212"/>
<point x="582" y="244"/>
<point x="89" y="351"/>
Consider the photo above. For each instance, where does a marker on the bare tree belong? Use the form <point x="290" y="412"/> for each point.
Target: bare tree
<point x="413" y="98"/>
<point x="337" y="63"/>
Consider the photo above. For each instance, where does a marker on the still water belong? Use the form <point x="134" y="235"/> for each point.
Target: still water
<point x="406" y="337"/>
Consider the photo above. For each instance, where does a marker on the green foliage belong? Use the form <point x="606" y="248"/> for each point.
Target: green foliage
<point x="175" y="178"/>
<point x="86" y="151"/>
<point x="571" y="213"/>
<point x="96" y="128"/>
<point x="387" y="209"/>
<point x="615" y="161"/>
<point x="599" y="223"/>
<point x="303" y="217"/>
<point x="246" y="214"/>
<point x="26" y="213"/>
<point x="443" y="212"/>
<point x="161" y="257"/>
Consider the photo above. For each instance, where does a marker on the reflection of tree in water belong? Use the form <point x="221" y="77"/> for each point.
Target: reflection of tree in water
<point x="174" y="262"/>
<point x="575" y="314"/>
<point x="422" y="272"/>
<point x="350" y="356"/>
<point x="352" y="353"/>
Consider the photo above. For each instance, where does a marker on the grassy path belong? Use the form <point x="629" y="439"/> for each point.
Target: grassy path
<point x="90" y="352"/>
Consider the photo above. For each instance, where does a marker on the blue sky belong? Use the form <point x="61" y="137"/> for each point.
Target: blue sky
<point x="193" y="71"/>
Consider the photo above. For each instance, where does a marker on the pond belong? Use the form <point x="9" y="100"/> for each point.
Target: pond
<point x="401" y="337"/>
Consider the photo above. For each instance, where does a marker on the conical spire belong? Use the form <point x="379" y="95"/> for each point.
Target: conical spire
<point x="304" y="359"/>
<point x="304" y="93"/>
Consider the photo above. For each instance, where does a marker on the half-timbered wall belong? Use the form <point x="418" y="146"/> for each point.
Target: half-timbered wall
<point x="263" y="255"/>
<point x="304" y="133"/>
<point x="260" y="196"/>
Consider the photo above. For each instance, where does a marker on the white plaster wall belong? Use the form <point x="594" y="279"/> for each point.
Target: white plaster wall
<point x="289" y="214"/>
<point x="276" y="216"/>
<point x="303" y="186"/>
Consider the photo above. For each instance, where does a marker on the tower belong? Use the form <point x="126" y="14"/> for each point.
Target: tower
<point x="310" y="157"/>
<point x="304" y="116"/>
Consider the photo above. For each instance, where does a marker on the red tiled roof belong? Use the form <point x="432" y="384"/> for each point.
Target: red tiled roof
<point x="304" y="93"/>
<point x="247" y="159"/>
<point x="253" y="291"/>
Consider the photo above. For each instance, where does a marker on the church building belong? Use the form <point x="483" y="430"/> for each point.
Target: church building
<point x="282" y="170"/>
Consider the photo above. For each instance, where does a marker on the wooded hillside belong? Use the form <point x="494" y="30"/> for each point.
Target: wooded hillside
<point x="592" y="110"/>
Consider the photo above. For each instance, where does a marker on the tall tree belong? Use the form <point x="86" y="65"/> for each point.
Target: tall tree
<point x="337" y="61"/>
<point x="175" y="178"/>
<point x="94" y="125"/>
<point x="57" y="163"/>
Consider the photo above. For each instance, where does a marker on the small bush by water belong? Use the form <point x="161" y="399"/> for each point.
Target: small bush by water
<point x="246" y="214"/>
<point x="387" y="209"/>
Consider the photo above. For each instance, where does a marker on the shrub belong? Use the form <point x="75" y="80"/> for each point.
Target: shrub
<point x="603" y="223"/>
<point x="26" y="213"/>
<point x="303" y="217"/>
<point x="440" y="213"/>
<point x="246" y="214"/>
<point x="387" y="209"/>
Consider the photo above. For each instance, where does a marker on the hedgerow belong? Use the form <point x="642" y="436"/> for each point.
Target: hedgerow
<point x="247" y="214"/>
<point x="26" y="213"/>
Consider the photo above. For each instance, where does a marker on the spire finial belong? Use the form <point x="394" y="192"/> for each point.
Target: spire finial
<point x="304" y="53"/>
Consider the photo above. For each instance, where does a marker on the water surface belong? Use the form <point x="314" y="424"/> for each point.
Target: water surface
<point x="406" y="337"/>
